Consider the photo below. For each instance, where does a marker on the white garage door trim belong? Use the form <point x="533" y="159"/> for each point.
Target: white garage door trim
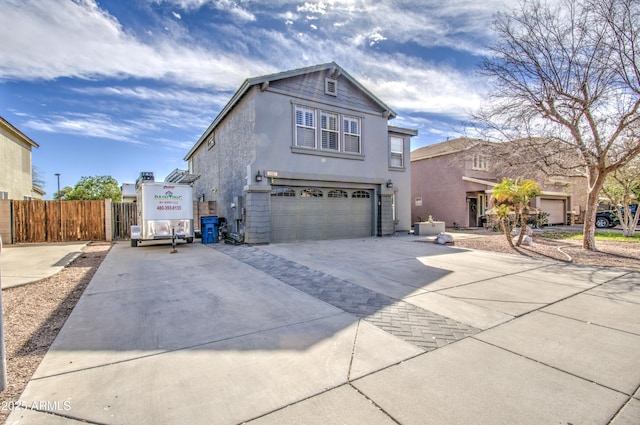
<point x="317" y="213"/>
<point x="556" y="210"/>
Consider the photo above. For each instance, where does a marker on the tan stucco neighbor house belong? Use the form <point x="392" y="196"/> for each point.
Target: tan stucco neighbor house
<point x="305" y="154"/>
<point x="452" y="181"/>
<point x="16" y="179"/>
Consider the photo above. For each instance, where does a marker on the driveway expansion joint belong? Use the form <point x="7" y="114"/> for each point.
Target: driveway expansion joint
<point x="420" y="327"/>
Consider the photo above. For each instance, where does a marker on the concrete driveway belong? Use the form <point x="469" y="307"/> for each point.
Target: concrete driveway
<point x="26" y="263"/>
<point x="359" y="331"/>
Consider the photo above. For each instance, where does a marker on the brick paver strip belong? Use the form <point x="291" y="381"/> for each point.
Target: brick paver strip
<point x="416" y="325"/>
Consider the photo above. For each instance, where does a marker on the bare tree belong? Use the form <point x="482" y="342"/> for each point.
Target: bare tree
<point x="568" y="75"/>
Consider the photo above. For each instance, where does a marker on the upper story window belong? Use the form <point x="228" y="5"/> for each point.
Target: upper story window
<point x="4" y="195"/>
<point x="480" y="162"/>
<point x="305" y="127"/>
<point x="327" y="132"/>
<point x="396" y="145"/>
<point x="351" y="131"/>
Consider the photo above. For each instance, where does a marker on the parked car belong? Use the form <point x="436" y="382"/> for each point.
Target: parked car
<point x="606" y="219"/>
<point x="609" y="218"/>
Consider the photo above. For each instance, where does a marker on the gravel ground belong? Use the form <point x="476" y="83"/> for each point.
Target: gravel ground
<point x="35" y="313"/>
<point x="623" y="255"/>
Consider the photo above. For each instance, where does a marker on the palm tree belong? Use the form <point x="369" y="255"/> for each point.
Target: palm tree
<point x="513" y="196"/>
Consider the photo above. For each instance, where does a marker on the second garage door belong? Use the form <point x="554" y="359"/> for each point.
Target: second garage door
<point x="316" y="213"/>
<point x="555" y="209"/>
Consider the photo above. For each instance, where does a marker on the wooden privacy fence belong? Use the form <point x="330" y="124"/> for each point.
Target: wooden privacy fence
<point x="57" y="221"/>
<point x="123" y="216"/>
<point x="64" y="221"/>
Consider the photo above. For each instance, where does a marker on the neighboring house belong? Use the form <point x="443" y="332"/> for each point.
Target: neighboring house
<point x="16" y="179"/>
<point x="305" y="154"/>
<point x="129" y="193"/>
<point x="452" y="181"/>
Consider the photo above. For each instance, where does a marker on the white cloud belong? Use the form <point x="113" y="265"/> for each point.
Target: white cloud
<point x="49" y="39"/>
<point x="88" y="125"/>
<point x="229" y="6"/>
<point x="376" y="38"/>
<point x="176" y="15"/>
<point x="308" y="7"/>
<point x="182" y="97"/>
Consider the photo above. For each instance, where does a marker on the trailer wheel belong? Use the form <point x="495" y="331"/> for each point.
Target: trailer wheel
<point x="189" y="240"/>
<point x="134" y="243"/>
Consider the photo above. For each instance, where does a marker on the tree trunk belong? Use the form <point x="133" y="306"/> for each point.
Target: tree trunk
<point x="523" y="226"/>
<point x="507" y="230"/>
<point x="589" y="232"/>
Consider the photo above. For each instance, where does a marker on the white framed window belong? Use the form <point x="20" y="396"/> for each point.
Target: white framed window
<point x="321" y="130"/>
<point x="480" y="162"/>
<point x="329" y="130"/>
<point x="305" y="127"/>
<point x="4" y="195"/>
<point x="351" y="131"/>
<point x="396" y="145"/>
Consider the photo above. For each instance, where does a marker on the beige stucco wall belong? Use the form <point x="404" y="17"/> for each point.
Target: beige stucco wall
<point x="438" y="182"/>
<point x="15" y="173"/>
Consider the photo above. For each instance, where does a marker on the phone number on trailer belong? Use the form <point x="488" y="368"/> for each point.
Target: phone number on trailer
<point x="169" y="207"/>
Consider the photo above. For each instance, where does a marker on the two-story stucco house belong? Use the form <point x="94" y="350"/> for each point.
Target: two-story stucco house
<point x="302" y="155"/>
<point x="16" y="179"/>
<point x="452" y="181"/>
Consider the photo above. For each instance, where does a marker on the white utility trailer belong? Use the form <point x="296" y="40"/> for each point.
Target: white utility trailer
<point x="165" y="211"/>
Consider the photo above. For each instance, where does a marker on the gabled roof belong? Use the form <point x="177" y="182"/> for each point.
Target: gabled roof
<point x="445" y="148"/>
<point x="11" y="129"/>
<point x="264" y="80"/>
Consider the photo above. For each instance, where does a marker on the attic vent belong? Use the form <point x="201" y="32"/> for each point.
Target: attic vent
<point x="331" y="86"/>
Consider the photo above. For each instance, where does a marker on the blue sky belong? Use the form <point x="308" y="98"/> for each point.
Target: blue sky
<point x="117" y="87"/>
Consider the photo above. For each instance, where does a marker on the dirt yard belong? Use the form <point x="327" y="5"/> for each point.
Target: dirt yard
<point x="35" y="313"/>
<point x="624" y="255"/>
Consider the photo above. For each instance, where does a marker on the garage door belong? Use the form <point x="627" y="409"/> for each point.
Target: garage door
<point x="315" y="213"/>
<point x="555" y="209"/>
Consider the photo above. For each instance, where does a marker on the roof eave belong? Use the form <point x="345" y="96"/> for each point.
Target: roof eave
<point x="18" y="133"/>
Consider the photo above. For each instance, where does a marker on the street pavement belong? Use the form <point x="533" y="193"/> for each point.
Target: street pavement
<point x="358" y="331"/>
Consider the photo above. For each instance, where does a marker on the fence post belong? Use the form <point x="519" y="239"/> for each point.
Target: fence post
<point x="108" y="230"/>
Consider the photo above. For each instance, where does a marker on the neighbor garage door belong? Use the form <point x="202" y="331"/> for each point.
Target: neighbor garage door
<point x="315" y="213"/>
<point x="555" y="209"/>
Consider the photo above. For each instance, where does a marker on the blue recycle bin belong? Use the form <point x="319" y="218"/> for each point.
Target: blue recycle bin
<point x="209" y="229"/>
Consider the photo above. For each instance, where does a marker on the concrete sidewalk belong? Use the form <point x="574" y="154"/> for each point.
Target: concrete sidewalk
<point x="360" y="331"/>
<point x="26" y="263"/>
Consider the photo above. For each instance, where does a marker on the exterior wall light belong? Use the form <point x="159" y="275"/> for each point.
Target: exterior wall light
<point x="258" y="177"/>
<point x="389" y="184"/>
